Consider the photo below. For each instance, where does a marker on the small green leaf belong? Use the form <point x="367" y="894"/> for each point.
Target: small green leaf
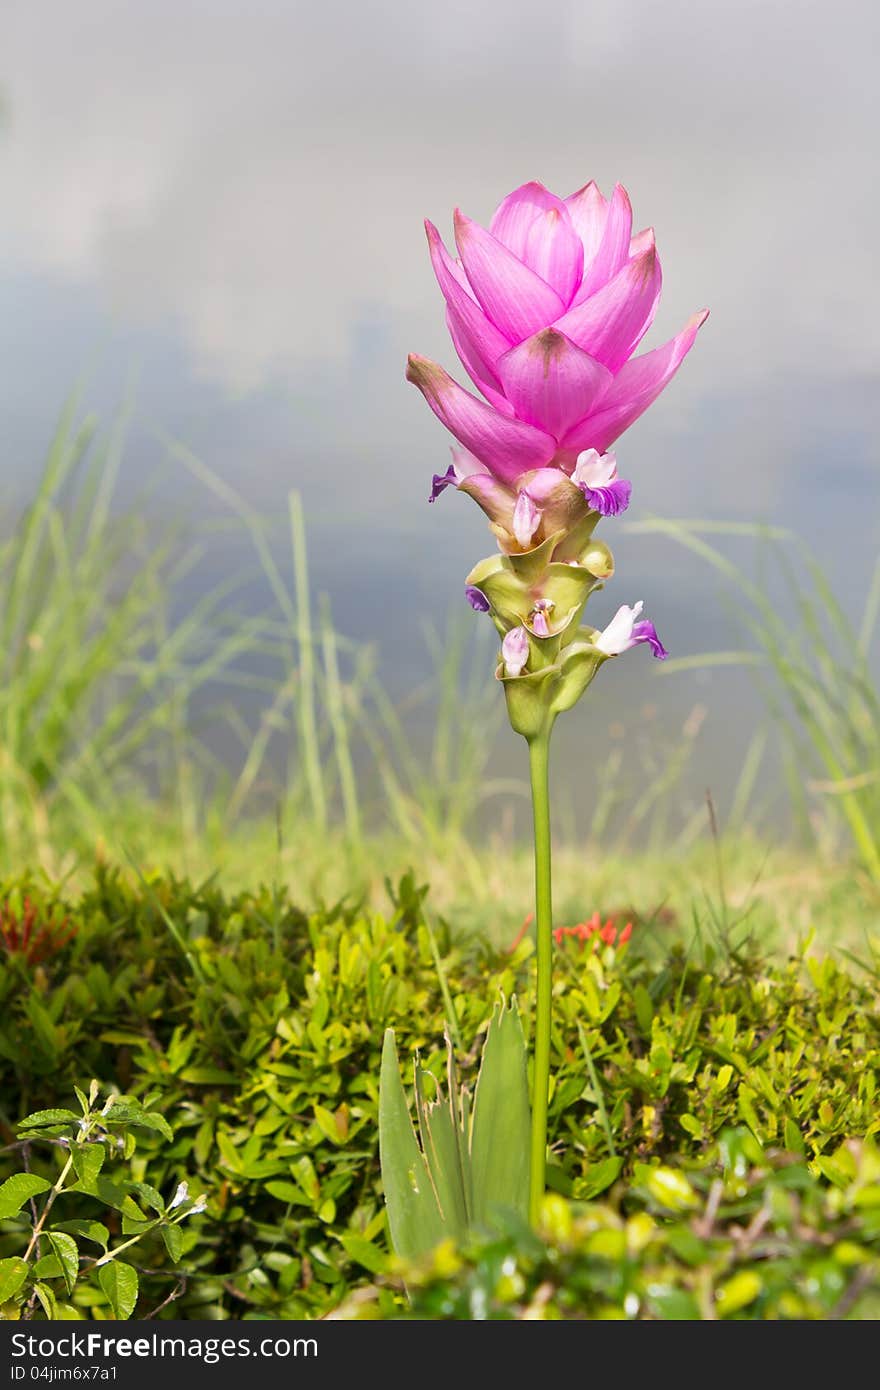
<point x="88" y="1160"/>
<point x="364" y="1252"/>
<point x="13" y="1273"/>
<point x="668" y="1187"/>
<point x="130" y="1113"/>
<point x="326" y="1122"/>
<point x="17" y="1190"/>
<point x="47" y="1299"/>
<point x="94" y="1231"/>
<point x="65" y="1250"/>
<point x="691" y="1125"/>
<point x="120" y="1284"/>
<point x="287" y="1192"/>
<point x="173" y="1238"/>
<point x="207" y="1076"/>
<point x="738" y="1292"/>
<point x="746" y="1098"/>
<point x="672" y="1304"/>
<point x="38" y="1118"/>
<point x="112" y="1195"/>
<point x="150" y="1196"/>
<point x="794" y="1140"/>
<point x="600" y="1177"/>
<point x="644" y="1009"/>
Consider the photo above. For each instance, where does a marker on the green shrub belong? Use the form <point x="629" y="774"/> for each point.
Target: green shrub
<point x="255" y="1029"/>
<point x="747" y="1235"/>
<point x="64" y="1266"/>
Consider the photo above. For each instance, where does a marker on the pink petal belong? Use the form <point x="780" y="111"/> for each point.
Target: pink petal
<point x="506" y="447"/>
<point x="555" y="252"/>
<point x="610" y="324"/>
<point x="480" y="373"/>
<point x="464" y="463"/>
<point x="514" y="216"/>
<point x="636" y="386"/>
<point x="642" y="241"/>
<point x="613" y="250"/>
<point x="483" y="344"/>
<point x="550" y="382"/>
<point x="588" y="211"/>
<point x="516" y="299"/>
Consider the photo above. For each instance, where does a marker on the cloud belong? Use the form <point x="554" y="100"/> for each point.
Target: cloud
<point x="256" y="174"/>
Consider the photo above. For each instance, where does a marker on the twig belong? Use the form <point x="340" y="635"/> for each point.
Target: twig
<point x="851" y="1296"/>
<point x="176" y="1292"/>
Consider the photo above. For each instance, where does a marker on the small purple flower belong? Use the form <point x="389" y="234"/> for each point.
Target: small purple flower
<point x="596" y="476"/>
<point x="477" y="599"/>
<point x="515" y="651"/>
<point x="624" y="632"/>
<point x="441" y="481"/>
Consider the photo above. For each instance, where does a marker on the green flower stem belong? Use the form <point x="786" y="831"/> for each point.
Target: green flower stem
<point x="539" y="755"/>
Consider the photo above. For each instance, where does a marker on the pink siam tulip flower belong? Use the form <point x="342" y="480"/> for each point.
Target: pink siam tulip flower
<point x="545" y="310"/>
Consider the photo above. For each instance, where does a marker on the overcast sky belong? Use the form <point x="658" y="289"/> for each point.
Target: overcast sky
<point x="230" y="193"/>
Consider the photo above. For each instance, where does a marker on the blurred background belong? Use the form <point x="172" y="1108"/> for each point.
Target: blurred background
<point x="212" y="231"/>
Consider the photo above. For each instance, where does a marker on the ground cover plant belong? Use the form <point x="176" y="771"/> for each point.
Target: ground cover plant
<point x="711" y="1121"/>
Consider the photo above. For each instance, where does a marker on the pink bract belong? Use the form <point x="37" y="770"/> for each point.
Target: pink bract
<point x="545" y="310"/>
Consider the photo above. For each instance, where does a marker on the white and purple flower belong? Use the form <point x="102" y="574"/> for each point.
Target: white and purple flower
<point x="596" y="476"/>
<point x="626" y="630"/>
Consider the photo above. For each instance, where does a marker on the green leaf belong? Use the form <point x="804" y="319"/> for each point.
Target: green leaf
<point x="94" y="1231"/>
<point x="413" y="1215"/>
<point x="644" y="1009"/>
<point x="120" y="1284"/>
<point x="129" y="1112"/>
<point x="13" y="1273"/>
<point x="88" y="1161"/>
<point x="39" y="1118"/>
<point x="502" y="1119"/>
<point x="364" y="1252"/>
<point x="65" y="1250"/>
<point x="173" y="1238"/>
<point x="673" y="1304"/>
<point x="207" y="1076"/>
<point x="288" y="1192"/>
<point x="738" y="1292"/>
<point x="600" y="1176"/>
<point x="112" y="1195"/>
<point x="47" y="1299"/>
<point x="794" y="1140"/>
<point x="326" y="1122"/>
<point x="149" y="1194"/>
<point x="668" y="1187"/>
<point x="17" y="1190"/>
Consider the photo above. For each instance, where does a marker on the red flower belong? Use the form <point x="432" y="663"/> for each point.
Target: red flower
<point x="23" y="934"/>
